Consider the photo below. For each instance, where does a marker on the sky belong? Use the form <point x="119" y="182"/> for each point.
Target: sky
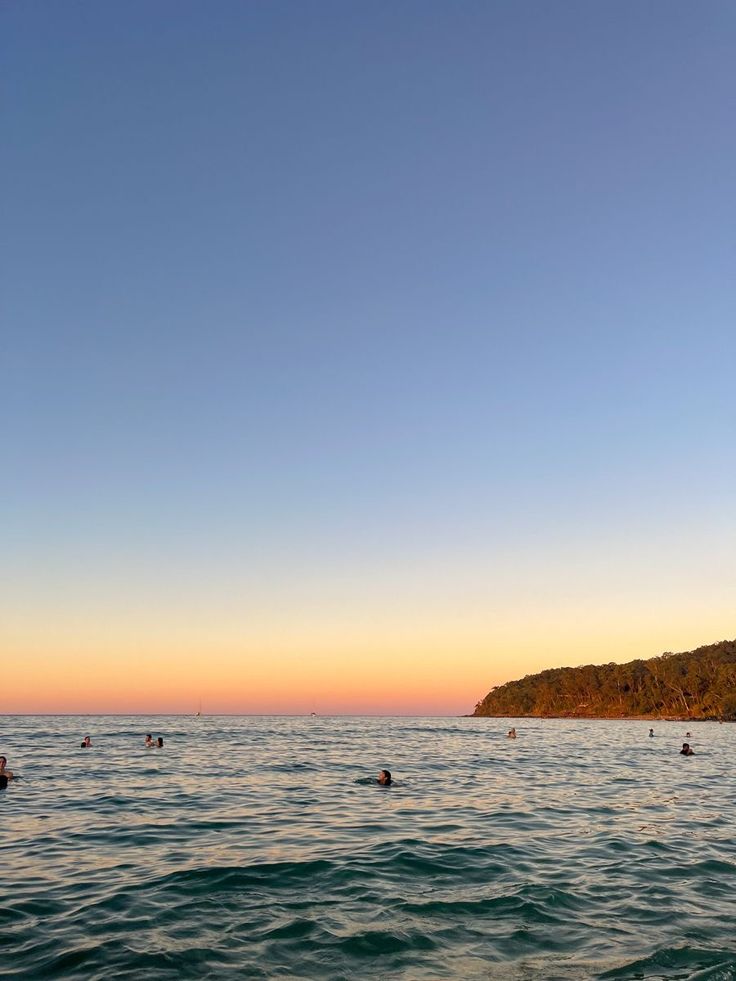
<point x="356" y="358"/>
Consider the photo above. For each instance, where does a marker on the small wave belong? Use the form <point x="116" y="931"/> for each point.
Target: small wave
<point x="370" y="943"/>
<point x="513" y="906"/>
<point x="278" y="875"/>
<point x="716" y="965"/>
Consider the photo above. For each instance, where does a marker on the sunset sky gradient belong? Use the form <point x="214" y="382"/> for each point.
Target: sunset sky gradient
<point x="357" y="358"/>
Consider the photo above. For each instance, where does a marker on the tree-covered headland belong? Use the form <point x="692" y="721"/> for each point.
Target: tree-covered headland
<point x="698" y="684"/>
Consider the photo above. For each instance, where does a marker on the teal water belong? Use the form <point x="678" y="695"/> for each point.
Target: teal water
<point x="245" y="849"/>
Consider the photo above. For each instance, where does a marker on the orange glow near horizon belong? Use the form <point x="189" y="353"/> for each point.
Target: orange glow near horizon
<point x="404" y="672"/>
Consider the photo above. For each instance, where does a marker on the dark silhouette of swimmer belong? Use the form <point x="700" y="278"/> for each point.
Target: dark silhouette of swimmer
<point x="3" y="781"/>
<point x="686" y="751"/>
<point x="511" y="734"/>
<point x="651" y="733"/>
<point x="384" y="778"/>
<point x="159" y="743"/>
<point x="688" y="735"/>
<point x="149" y="740"/>
<point x="86" y="742"/>
<point x="4" y="772"/>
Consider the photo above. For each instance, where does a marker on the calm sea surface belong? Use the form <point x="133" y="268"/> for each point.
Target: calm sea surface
<point x="246" y="849"/>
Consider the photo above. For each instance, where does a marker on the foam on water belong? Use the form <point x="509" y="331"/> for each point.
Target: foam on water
<point x="245" y="848"/>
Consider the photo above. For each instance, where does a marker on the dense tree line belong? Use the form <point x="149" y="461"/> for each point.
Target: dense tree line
<point x="698" y="684"/>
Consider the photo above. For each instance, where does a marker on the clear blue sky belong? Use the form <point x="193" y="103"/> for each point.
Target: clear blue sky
<point x="299" y="299"/>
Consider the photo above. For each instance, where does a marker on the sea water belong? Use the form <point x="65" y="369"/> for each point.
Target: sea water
<point x="247" y="848"/>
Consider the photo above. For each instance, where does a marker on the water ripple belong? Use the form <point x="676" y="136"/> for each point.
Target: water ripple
<point x="246" y="849"/>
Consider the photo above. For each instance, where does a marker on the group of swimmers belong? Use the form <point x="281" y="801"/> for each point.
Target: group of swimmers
<point x="6" y="775"/>
<point x="149" y="743"/>
<point x="384" y="776"/>
<point x="685" y="751"/>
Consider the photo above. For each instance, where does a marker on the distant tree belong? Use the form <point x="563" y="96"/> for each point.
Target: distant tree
<point x="728" y="708"/>
<point x="694" y="684"/>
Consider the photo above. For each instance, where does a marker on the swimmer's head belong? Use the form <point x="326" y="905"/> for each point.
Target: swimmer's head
<point x="384" y="778"/>
<point x="159" y="742"/>
<point x="3" y="761"/>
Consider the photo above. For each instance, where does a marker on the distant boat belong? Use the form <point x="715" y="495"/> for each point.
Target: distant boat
<point x="199" y="711"/>
<point x="312" y="713"/>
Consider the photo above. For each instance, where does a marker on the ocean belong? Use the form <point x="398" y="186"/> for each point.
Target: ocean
<point x="246" y="848"/>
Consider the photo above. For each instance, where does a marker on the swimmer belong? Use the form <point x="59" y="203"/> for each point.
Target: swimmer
<point x="4" y="772"/>
<point x="159" y="743"/>
<point x="511" y="734"/>
<point x="86" y="742"/>
<point x="384" y="778"/>
<point x="651" y="733"/>
<point x="686" y="751"/>
<point x="149" y="741"/>
<point x="688" y="735"/>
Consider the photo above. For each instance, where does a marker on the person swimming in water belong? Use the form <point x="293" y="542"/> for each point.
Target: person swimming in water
<point x="160" y="743"/>
<point x="149" y="741"/>
<point x="686" y="750"/>
<point x="4" y="772"/>
<point x="511" y="734"/>
<point x="86" y="742"/>
<point x="688" y="735"/>
<point x="651" y="733"/>
<point x="384" y="778"/>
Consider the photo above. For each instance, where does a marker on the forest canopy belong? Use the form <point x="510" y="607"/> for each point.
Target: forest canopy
<point x="698" y="684"/>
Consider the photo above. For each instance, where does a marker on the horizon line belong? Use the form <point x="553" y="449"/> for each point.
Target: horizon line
<point x="244" y="715"/>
